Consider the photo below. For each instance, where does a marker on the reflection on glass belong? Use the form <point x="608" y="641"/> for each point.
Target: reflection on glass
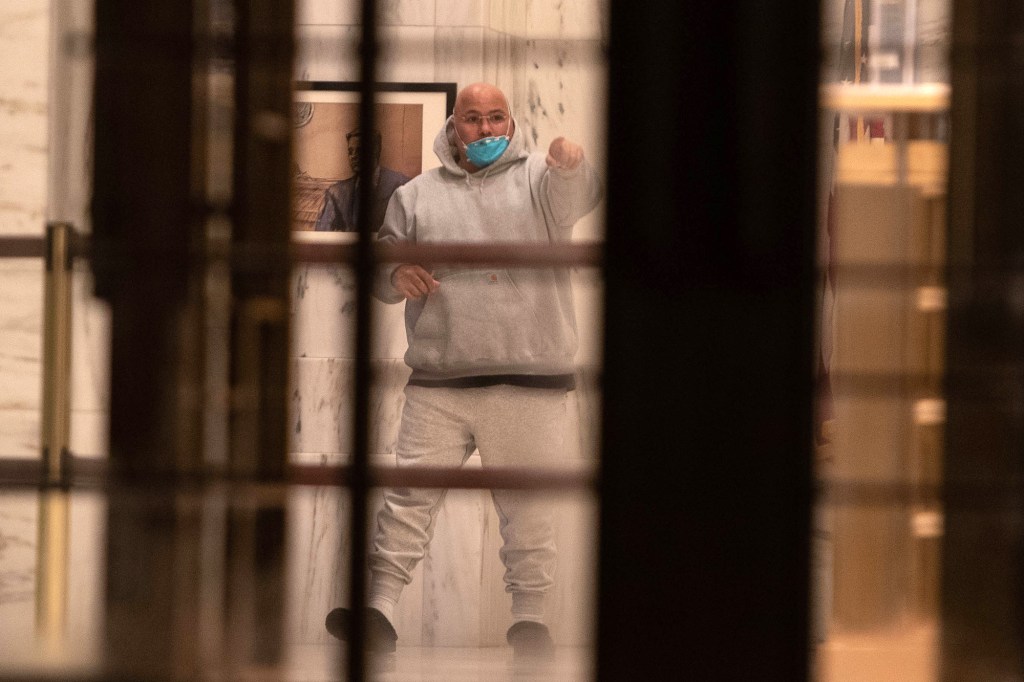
<point x="883" y="183"/>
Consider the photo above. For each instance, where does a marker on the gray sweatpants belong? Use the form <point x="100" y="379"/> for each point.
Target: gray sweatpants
<point x="511" y="426"/>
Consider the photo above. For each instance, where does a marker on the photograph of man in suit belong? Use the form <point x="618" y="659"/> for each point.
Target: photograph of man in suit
<point x="341" y="200"/>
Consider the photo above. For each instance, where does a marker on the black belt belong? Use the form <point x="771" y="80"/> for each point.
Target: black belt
<point x="563" y="381"/>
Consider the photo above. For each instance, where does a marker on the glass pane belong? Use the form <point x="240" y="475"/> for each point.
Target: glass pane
<point x="883" y="196"/>
<point x="548" y="63"/>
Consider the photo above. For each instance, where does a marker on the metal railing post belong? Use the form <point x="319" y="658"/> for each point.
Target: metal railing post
<point x="52" y="545"/>
<point x="56" y="418"/>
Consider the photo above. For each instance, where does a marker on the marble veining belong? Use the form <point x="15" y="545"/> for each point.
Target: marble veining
<point x="453" y="570"/>
<point x="23" y="123"/>
<point x="565" y="92"/>
<point x="508" y="16"/>
<point x="23" y="166"/>
<point x="319" y="566"/>
<point x="327" y="53"/>
<point x="323" y="316"/>
<point x="18" y="515"/>
<point x="407" y="54"/>
<point x="461" y="13"/>
<point x="17" y="549"/>
<point x="21" y="303"/>
<point x="564" y="19"/>
<point x="407" y="12"/>
<point x="315" y="522"/>
<point x="321" y="400"/>
<point x="459" y="55"/>
<point x="19" y="434"/>
<point x="457" y="597"/>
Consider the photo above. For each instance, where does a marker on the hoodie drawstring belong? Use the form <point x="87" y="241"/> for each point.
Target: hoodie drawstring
<point x="480" y="186"/>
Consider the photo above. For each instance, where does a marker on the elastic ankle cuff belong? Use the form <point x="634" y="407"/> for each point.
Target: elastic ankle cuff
<point x="528" y="606"/>
<point x="387" y="586"/>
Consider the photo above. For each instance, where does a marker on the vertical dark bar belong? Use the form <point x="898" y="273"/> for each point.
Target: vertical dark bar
<point x="983" y="548"/>
<point x="143" y="218"/>
<point x="261" y="213"/>
<point x="261" y="229"/>
<point x="144" y="223"/>
<point x="705" y="493"/>
<point x="359" y="491"/>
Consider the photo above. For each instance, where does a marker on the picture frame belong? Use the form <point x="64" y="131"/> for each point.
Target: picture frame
<point x="408" y="117"/>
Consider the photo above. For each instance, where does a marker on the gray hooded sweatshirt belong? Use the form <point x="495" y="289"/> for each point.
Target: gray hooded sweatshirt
<point x="487" y="321"/>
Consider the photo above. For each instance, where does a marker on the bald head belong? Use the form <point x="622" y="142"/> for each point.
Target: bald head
<point x="477" y="95"/>
<point x="475" y="105"/>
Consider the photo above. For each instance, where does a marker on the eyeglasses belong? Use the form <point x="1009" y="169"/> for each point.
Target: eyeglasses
<point x="495" y="119"/>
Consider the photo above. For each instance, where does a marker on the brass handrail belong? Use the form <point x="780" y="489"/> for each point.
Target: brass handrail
<point x="54" y="505"/>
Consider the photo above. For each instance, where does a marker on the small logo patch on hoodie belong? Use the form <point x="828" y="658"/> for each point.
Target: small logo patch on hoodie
<point x="492" y="278"/>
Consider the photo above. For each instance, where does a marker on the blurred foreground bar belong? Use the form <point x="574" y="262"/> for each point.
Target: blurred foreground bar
<point x="254" y="596"/>
<point x="709" y="327"/>
<point x="142" y="228"/>
<point x="982" y="560"/>
<point x="149" y="261"/>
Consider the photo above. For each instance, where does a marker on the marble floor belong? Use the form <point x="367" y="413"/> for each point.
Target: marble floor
<point x="906" y="657"/>
<point x="319" y="663"/>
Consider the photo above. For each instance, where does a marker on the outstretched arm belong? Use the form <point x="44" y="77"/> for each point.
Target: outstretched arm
<point x="564" y="155"/>
<point x="571" y="186"/>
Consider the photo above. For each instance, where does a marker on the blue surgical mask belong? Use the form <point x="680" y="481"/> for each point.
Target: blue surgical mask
<point x="486" y="151"/>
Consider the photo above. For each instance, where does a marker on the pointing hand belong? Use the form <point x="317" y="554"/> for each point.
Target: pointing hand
<point x="564" y="154"/>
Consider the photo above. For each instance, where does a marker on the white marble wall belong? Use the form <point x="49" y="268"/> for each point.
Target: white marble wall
<point x="24" y="32"/>
<point x="23" y="97"/>
<point x="26" y="203"/>
<point x="45" y="87"/>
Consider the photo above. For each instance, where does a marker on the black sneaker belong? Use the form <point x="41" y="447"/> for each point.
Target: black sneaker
<point x="530" y="642"/>
<point x="380" y="635"/>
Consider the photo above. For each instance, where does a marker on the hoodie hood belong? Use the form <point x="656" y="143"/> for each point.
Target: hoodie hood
<point x="443" y="148"/>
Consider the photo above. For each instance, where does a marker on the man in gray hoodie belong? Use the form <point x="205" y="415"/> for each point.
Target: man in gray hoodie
<point x="491" y="350"/>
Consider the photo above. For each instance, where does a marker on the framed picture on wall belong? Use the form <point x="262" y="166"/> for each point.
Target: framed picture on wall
<point x="327" y="140"/>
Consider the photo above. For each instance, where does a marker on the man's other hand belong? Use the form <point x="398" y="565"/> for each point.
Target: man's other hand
<point x="564" y="154"/>
<point x="412" y="281"/>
